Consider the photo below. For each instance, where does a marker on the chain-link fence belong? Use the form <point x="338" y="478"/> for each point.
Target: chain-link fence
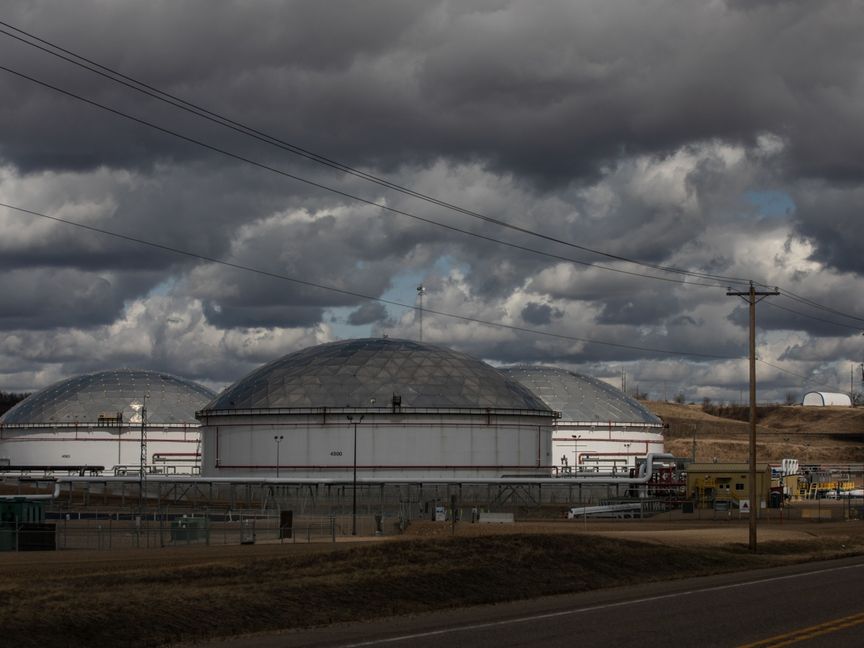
<point x="116" y="531"/>
<point x="156" y="531"/>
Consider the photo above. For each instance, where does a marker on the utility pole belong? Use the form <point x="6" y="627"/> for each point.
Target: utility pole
<point x="751" y="298"/>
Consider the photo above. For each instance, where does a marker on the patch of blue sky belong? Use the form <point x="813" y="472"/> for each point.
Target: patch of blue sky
<point x="163" y="288"/>
<point x="771" y="203"/>
<point x="403" y="289"/>
<point x="337" y="318"/>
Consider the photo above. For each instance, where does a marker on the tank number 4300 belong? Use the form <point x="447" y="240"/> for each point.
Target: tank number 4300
<point x="335" y="453"/>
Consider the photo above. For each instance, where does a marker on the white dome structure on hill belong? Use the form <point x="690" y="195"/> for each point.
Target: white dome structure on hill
<point x="95" y="420"/>
<point x="826" y="399"/>
<point x="385" y="408"/>
<point x="600" y="429"/>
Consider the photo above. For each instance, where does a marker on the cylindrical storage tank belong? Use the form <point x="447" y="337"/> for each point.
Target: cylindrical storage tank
<point x="96" y="420"/>
<point x="601" y="429"/>
<point x="389" y="409"/>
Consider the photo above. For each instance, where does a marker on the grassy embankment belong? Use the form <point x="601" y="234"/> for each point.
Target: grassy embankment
<point x="151" y="602"/>
<point x="809" y="434"/>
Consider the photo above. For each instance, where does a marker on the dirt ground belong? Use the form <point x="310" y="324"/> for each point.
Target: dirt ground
<point x="660" y="530"/>
<point x="845" y="534"/>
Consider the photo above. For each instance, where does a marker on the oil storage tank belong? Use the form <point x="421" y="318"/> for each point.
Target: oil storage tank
<point x="97" y="419"/>
<point x="601" y="429"/>
<point x="390" y="409"/>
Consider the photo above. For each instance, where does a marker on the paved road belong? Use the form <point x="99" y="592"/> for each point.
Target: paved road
<point x="821" y="604"/>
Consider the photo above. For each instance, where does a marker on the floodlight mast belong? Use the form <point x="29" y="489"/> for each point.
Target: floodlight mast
<point x="750" y="296"/>
<point x="143" y="458"/>
<point x="420" y="292"/>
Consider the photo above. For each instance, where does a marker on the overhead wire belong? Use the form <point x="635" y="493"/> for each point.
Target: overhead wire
<point x="237" y="126"/>
<point x="797" y="375"/>
<point x="390" y="302"/>
<point x="818" y="306"/>
<point x="183" y="104"/>
<point x="808" y="316"/>
<point x="261" y="136"/>
<point x="351" y="293"/>
<point x="340" y="192"/>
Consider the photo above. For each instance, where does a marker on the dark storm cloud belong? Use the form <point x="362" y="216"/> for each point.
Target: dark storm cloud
<point x="830" y="217"/>
<point x="53" y="298"/>
<point x="632" y="128"/>
<point x="368" y="313"/>
<point x="636" y="309"/>
<point x="584" y="82"/>
<point x="540" y="314"/>
<point x="348" y="254"/>
<point x="228" y="315"/>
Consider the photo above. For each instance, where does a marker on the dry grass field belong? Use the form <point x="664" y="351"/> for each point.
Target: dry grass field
<point x="813" y="435"/>
<point x="157" y="597"/>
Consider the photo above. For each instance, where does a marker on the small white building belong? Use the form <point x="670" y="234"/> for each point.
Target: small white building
<point x="383" y="408"/>
<point x="826" y="399"/>
<point x="601" y="429"/>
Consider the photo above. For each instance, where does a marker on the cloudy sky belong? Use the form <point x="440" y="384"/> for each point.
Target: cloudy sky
<point x="625" y="141"/>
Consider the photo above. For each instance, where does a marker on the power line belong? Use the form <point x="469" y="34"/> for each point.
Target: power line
<point x="199" y="111"/>
<point x="797" y="375"/>
<point x="813" y="317"/>
<point x="351" y="293"/>
<point x="182" y="104"/>
<point x="809" y="302"/>
<point x="339" y="192"/>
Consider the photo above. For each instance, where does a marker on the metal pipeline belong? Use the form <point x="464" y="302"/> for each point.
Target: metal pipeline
<point x="645" y="472"/>
<point x="52" y="496"/>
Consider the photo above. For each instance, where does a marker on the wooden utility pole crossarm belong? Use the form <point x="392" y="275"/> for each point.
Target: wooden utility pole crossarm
<point x="752" y="297"/>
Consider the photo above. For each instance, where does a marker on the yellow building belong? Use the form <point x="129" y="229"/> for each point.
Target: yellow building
<point x="708" y="483"/>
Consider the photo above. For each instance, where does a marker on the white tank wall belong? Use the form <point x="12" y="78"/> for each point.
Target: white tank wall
<point x="581" y="447"/>
<point x="392" y="446"/>
<point x="169" y="450"/>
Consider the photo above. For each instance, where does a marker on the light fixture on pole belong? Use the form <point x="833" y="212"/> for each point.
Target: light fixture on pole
<point x="420" y="292"/>
<point x="142" y="477"/>
<point x="576" y="438"/>
<point x="354" y="481"/>
<point x="278" y="439"/>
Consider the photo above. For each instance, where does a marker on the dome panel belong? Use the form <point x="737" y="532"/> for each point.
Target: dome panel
<point x="352" y="373"/>
<point x="84" y="399"/>
<point x="579" y="397"/>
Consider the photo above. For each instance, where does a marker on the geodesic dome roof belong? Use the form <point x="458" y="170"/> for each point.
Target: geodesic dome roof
<point x="87" y="398"/>
<point x="579" y="397"/>
<point x="368" y="372"/>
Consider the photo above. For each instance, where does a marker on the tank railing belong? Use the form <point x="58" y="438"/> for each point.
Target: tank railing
<point x="602" y="426"/>
<point x="319" y="411"/>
